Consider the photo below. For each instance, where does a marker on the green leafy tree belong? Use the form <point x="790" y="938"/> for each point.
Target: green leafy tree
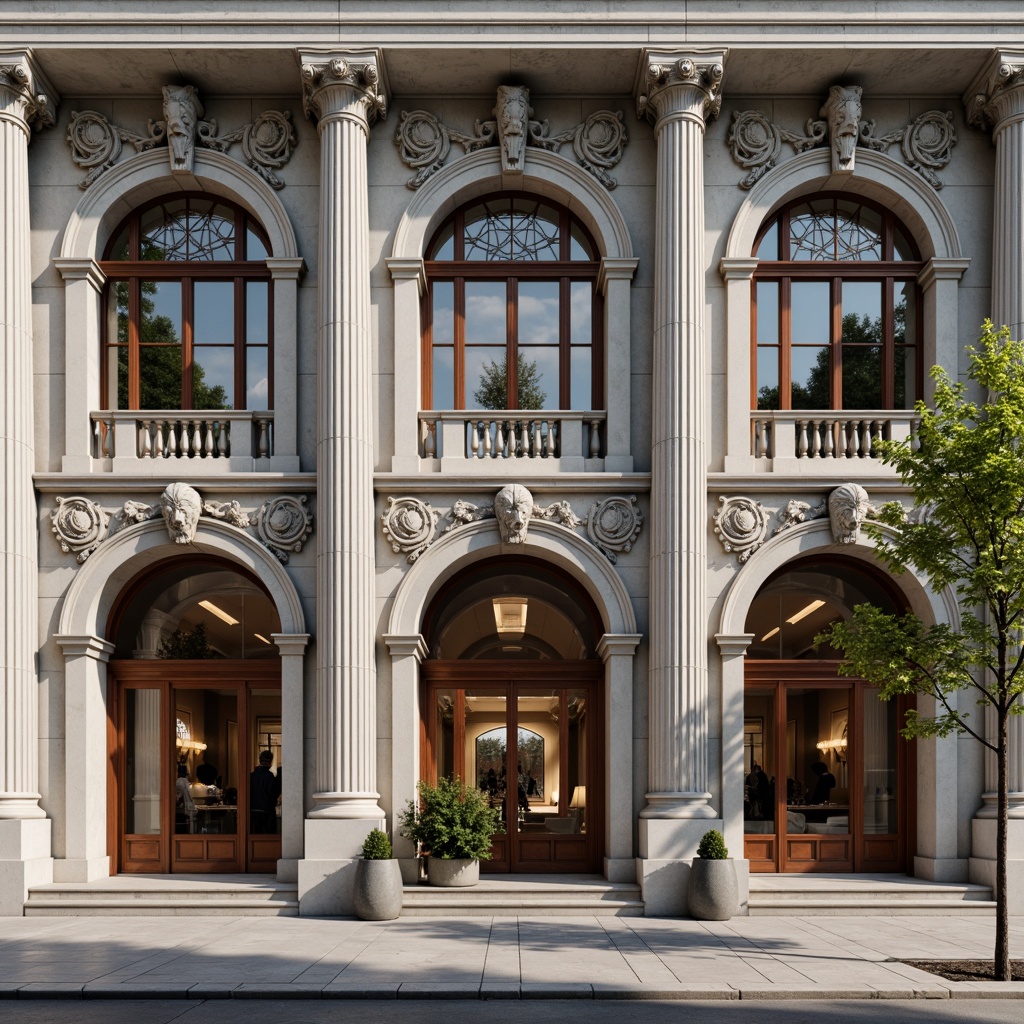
<point x="187" y="645"/>
<point x="965" y="465"/>
<point x="493" y="390"/>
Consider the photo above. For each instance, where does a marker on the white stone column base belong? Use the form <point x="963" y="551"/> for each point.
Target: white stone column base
<point x="983" y="859"/>
<point x="326" y="875"/>
<point x="346" y="807"/>
<point x="24" y="861"/>
<point x="679" y="805"/>
<point x="941" y="869"/>
<point x="77" y="869"/>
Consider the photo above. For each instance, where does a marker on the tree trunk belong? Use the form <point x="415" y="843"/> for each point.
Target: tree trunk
<point x="1002" y="953"/>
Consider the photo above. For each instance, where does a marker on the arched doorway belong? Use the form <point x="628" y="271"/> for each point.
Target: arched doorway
<point x="195" y="705"/>
<point x="512" y="703"/>
<point x="826" y="780"/>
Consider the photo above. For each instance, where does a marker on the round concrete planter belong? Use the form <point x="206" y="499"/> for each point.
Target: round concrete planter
<point x="378" y="890"/>
<point x="713" y="893"/>
<point x="452" y="873"/>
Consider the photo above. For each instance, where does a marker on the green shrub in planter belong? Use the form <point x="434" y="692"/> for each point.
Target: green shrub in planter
<point x="452" y="822"/>
<point x="377" y="846"/>
<point x="712" y="846"/>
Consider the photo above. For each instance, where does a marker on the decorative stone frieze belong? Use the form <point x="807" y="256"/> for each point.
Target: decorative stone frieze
<point x="425" y="142"/>
<point x="284" y="524"/>
<point x="409" y="524"/>
<point x="847" y="508"/>
<point x="614" y="524"/>
<point x="230" y="511"/>
<point x="267" y="141"/>
<point x="796" y="512"/>
<point x="79" y="525"/>
<point x="560" y="510"/>
<point x="741" y="525"/>
<point x="464" y="512"/>
<point x="926" y="143"/>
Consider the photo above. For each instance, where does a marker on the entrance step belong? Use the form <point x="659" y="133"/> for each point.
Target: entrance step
<point x="820" y="895"/>
<point x="526" y="896"/>
<point x="166" y="896"/>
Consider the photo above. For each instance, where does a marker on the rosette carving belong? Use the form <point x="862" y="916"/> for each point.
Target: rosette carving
<point x="756" y="142"/>
<point x="424" y="142"/>
<point x="614" y="524"/>
<point x="267" y="142"/>
<point x="741" y="525"/>
<point x="597" y="143"/>
<point x="284" y="524"/>
<point x="409" y="525"/>
<point x="79" y="526"/>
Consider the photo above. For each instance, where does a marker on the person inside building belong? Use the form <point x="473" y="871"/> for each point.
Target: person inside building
<point x="824" y="784"/>
<point x="184" y="805"/>
<point x="264" y="789"/>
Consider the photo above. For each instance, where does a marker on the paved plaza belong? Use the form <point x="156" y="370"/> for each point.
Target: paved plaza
<point x="493" y="958"/>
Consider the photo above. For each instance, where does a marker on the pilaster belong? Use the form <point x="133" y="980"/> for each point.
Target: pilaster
<point x="410" y="283"/>
<point x="286" y="272"/>
<point x="291" y="647"/>
<point x="678" y="92"/>
<point x="614" y="279"/>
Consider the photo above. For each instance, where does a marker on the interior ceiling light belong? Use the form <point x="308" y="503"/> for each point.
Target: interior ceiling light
<point x="769" y="634"/>
<point x="219" y="612"/>
<point x="510" y="617"/>
<point x="260" y="636"/>
<point x="804" y="612"/>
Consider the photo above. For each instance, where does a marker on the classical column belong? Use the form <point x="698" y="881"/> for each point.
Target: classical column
<point x="344" y="93"/>
<point x="678" y="93"/>
<point x="24" y="832"/>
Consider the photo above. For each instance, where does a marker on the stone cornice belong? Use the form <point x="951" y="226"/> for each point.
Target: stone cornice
<point x="618" y="644"/>
<point x="403" y="268"/>
<point x="344" y="82"/>
<point x="737" y="268"/>
<point x="71" y="268"/>
<point x="406" y="646"/>
<point x="26" y="95"/>
<point x="87" y="645"/>
<point x="615" y="268"/>
<point x="942" y="269"/>
<point x="115" y="483"/>
<point x="733" y="646"/>
<point x="697" y="74"/>
<point x="286" y="268"/>
<point x="997" y="93"/>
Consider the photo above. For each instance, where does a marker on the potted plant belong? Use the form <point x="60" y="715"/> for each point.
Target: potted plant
<point x="453" y="824"/>
<point x="713" y="893"/>
<point x="378" y="888"/>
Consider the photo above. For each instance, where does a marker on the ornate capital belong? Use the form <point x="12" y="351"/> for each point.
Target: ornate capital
<point x="997" y="93"/>
<point x="347" y="82"/>
<point x="673" y="82"/>
<point x="26" y="97"/>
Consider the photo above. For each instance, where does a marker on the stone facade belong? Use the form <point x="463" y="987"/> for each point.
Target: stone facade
<point x="669" y="504"/>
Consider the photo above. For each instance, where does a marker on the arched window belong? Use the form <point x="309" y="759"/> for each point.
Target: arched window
<point x="512" y="309"/>
<point x="189" y="303"/>
<point x="836" y="318"/>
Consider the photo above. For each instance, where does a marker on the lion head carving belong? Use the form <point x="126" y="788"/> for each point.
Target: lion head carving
<point x="181" y="507"/>
<point x="513" y="507"/>
<point x="848" y="507"/>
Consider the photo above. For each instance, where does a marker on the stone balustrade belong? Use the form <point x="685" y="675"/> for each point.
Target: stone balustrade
<point x="822" y="434"/>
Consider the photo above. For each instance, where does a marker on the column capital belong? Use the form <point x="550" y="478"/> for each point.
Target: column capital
<point x="84" y="646"/>
<point x="413" y="646"/>
<point x="344" y="83"/>
<point x="996" y="96"/>
<point x="26" y="96"/>
<point x="290" y="644"/>
<point x="74" y="268"/>
<point x="733" y="645"/>
<point x="669" y="82"/>
<point x="618" y="644"/>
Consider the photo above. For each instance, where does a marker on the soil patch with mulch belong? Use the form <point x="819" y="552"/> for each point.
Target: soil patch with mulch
<point x="965" y="970"/>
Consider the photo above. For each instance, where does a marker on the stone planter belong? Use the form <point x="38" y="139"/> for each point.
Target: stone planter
<point x="451" y="873"/>
<point x="378" y="890"/>
<point x="713" y="893"/>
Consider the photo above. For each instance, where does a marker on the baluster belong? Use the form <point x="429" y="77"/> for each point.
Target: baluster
<point x="207" y="427"/>
<point x="197" y="438"/>
<point x="474" y="439"/>
<point x="499" y="440"/>
<point x="536" y="439"/>
<point x="813" y="439"/>
<point x="171" y="446"/>
<point x="515" y="449"/>
<point x="145" y="448"/>
<point x="764" y="440"/>
<point x="849" y="439"/>
<point x="877" y="433"/>
<point x="829" y="452"/>
<point x="97" y="440"/>
<point x="595" y="438"/>
<point x="158" y="439"/>
<point x="801" y="439"/>
<point x="222" y="439"/>
<point x="488" y="443"/>
<point x="554" y="437"/>
<point x="523" y="447"/>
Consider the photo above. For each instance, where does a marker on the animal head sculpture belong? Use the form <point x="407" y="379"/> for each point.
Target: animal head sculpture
<point x="512" y="113"/>
<point x="842" y="111"/>
<point x="181" y="507"/>
<point x="513" y="507"/>
<point x="848" y="507"/>
<point x="182" y="111"/>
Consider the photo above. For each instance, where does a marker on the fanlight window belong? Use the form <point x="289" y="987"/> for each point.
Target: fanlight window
<point x="837" y="320"/>
<point x="512" y="312"/>
<point x="189" y="303"/>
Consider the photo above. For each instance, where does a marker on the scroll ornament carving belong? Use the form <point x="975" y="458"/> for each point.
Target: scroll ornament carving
<point x="80" y="526"/>
<point x="36" y="106"/>
<point x="230" y="511"/>
<point x="741" y="525"/>
<point x="409" y="525"/>
<point x="364" y="78"/>
<point x="926" y="143"/>
<point x="425" y="142"/>
<point x="614" y="524"/>
<point x="284" y="524"/>
<point x="267" y="141"/>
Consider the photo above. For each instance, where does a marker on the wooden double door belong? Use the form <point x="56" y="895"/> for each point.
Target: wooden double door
<point x="528" y="735"/>
<point x="185" y="791"/>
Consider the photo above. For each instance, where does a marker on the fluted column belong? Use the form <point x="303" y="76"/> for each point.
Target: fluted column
<point x="678" y="92"/>
<point x="344" y="93"/>
<point x="23" y="106"/>
<point x="995" y="101"/>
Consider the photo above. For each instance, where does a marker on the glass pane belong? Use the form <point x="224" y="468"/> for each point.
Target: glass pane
<point x="576" y="784"/>
<point x="444" y="379"/>
<point x="265" y="779"/>
<point x="810" y="384"/>
<point x="579" y="245"/>
<point x="163" y="232"/>
<point x="902" y="247"/>
<point x="581" y="389"/>
<point x="862" y="377"/>
<point x="905" y="373"/>
<point x="443" y="301"/>
<point x="538" y="312"/>
<point x="537" y="378"/>
<point x="161" y="313"/>
<point x="214" y="314"/>
<point x="581" y="313"/>
<point x="207" y="787"/>
<point x="767" y="312"/>
<point x="485" y="312"/>
<point x="518" y="230"/>
<point x="117" y="346"/>
<point x="255" y="249"/>
<point x="812" y="231"/>
<point x="817" y="788"/>
<point x="858" y="232"/>
<point x="537" y="761"/>
<point x="811" y="304"/>
<point x="880" y="731"/>
<point x="486" y="732"/>
<point x="444" y="247"/>
<point x="486" y="378"/>
<point x="862" y="312"/>
<point x="862" y="345"/>
<point x="142" y="762"/>
<point x="769" y="247"/>
<point x="257" y="312"/>
<point x="768" y="378"/>
<point x="213" y="377"/>
<point x="160" y="377"/>
<point x="120" y="249"/>
<point x="211" y="231"/>
<point x="444" y="737"/>
<point x="535" y="231"/>
<point x="759" y="761"/>
<point x="257" y="378"/>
